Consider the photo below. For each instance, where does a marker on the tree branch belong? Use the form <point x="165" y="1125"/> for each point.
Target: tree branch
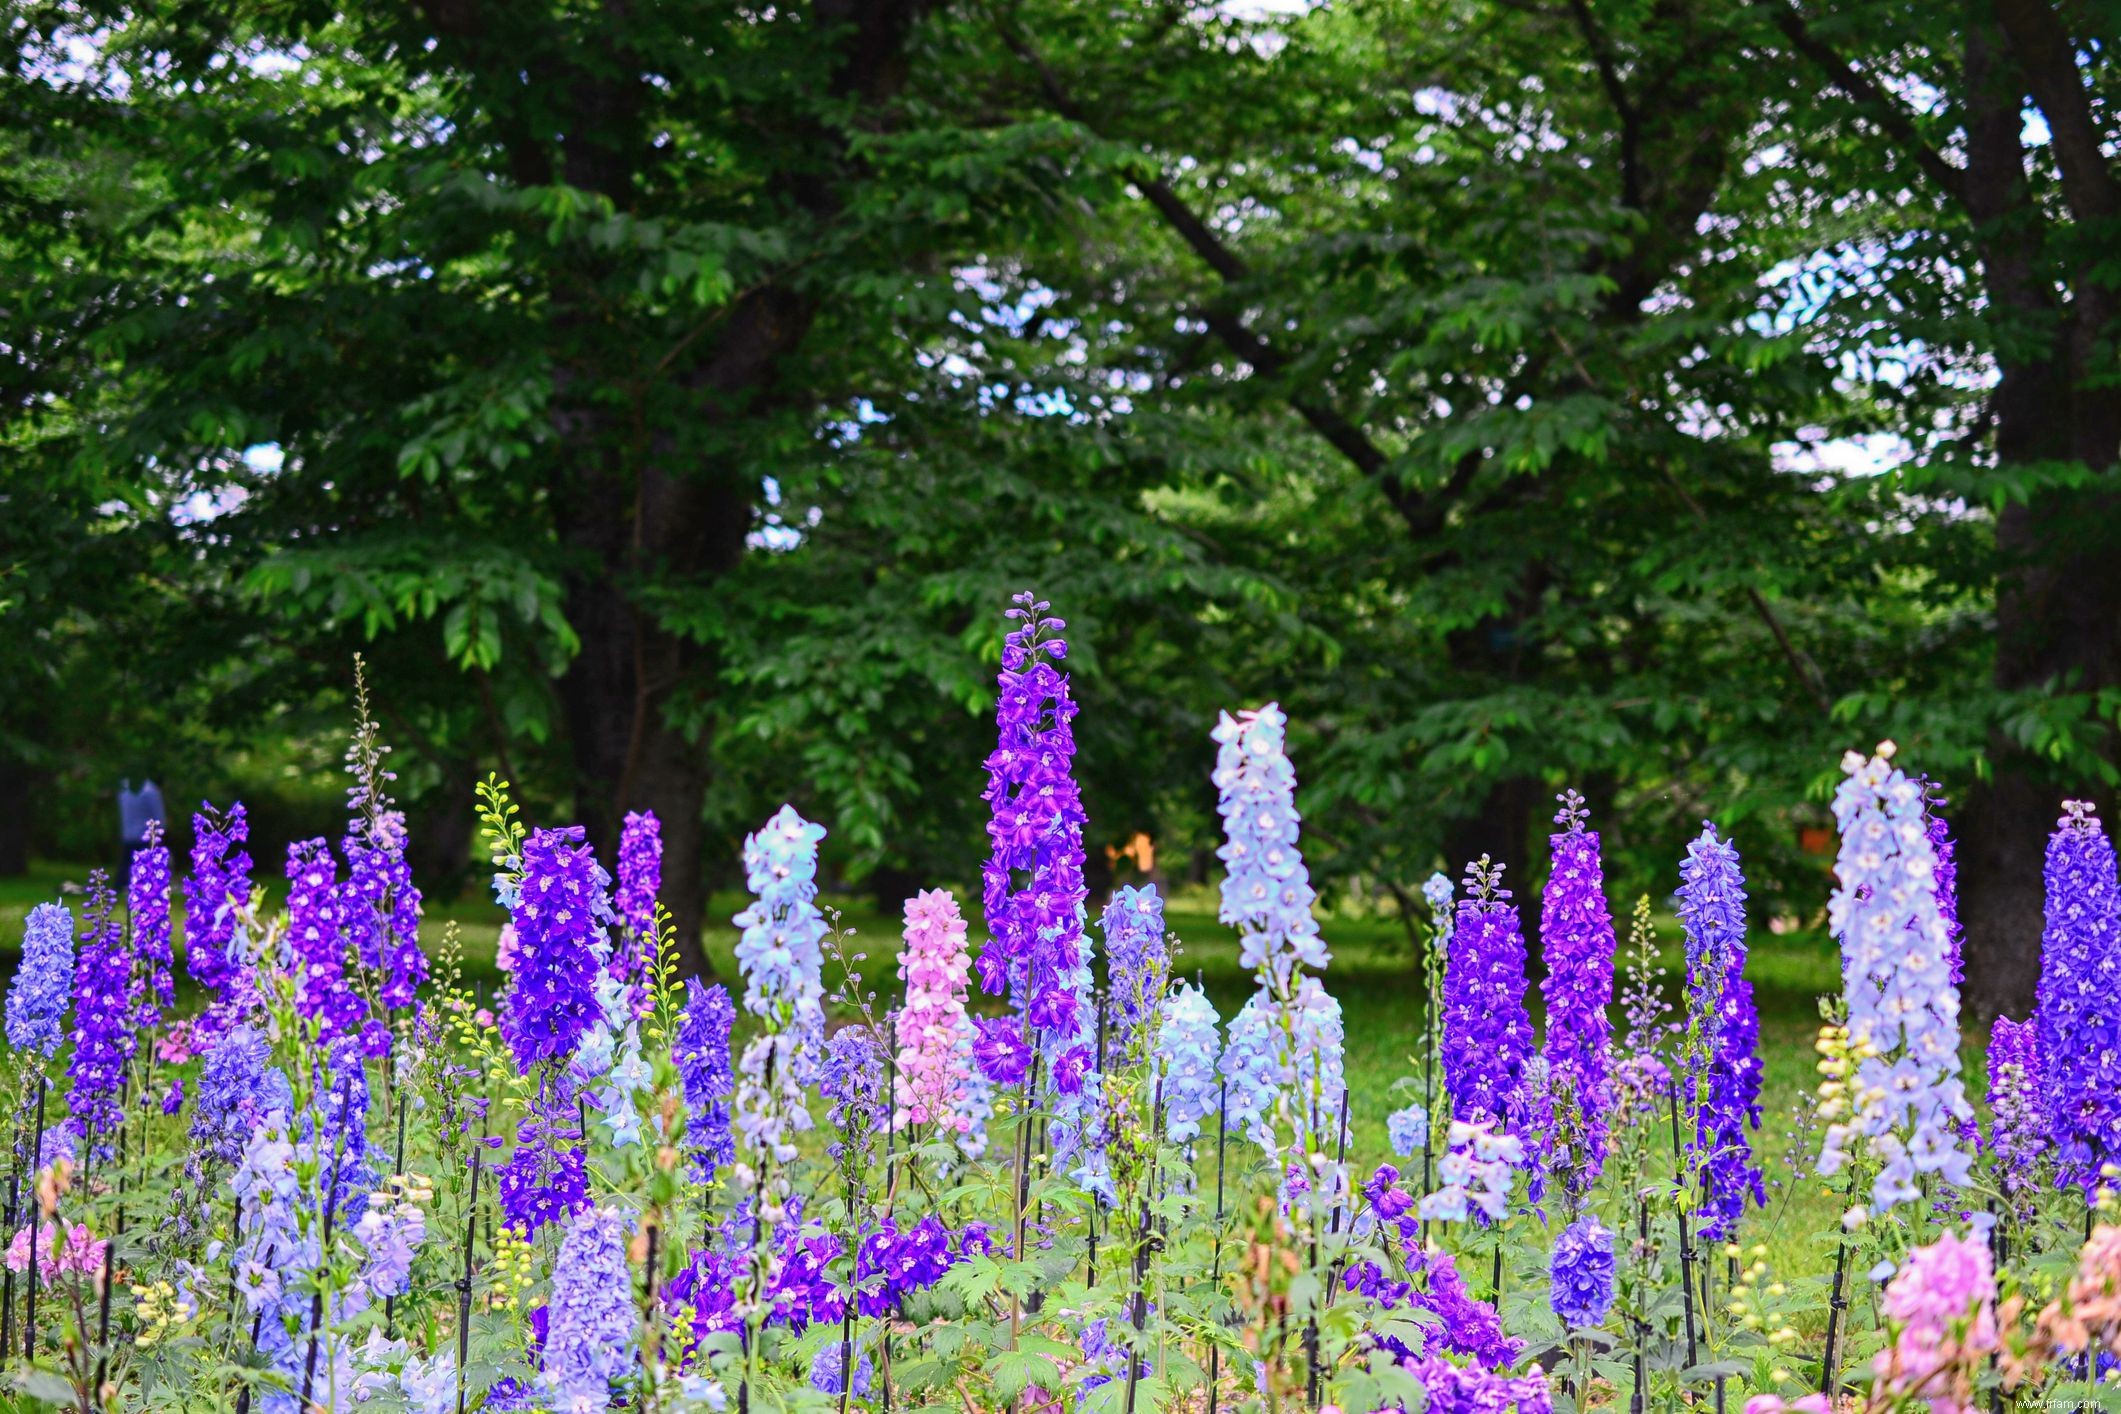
<point x="1616" y="94"/>
<point x="1878" y="105"/>
<point x="2048" y="59"/>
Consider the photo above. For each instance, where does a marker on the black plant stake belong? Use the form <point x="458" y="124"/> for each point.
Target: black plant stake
<point x="1638" y="1403"/>
<point x="14" y="1216"/>
<point x="29" y="1315"/>
<point x="1686" y="1250"/>
<point x="1837" y="1302"/>
<point x="316" y="1302"/>
<point x="1142" y="1244"/>
<point x="471" y="1227"/>
<point x="1215" y="1264"/>
<point x="398" y="1177"/>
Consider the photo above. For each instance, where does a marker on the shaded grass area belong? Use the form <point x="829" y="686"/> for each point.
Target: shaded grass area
<point x="1375" y="974"/>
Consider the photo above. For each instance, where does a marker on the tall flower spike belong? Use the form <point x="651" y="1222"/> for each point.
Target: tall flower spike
<point x="1032" y="885"/>
<point x="702" y="1059"/>
<point x="933" y="1063"/>
<point x="38" y="998"/>
<point x="104" y="1041"/>
<point x="147" y="902"/>
<point x="1726" y="1097"/>
<point x="1903" y="1011"/>
<point x="1187" y="1046"/>
<point x="640" y="876"/>
<point x="1576" y="935"/>
<point x="561" y="912"/>
<point x="1940" y="836"/>
<point x="323" y="992"/>
<point x="218" y="885"/>
<point x="2016" y="1080"/>
<point x="1266" y="895"/>
<point x="592" y="1326"/>
<point x="1137" y="959"/>
<point x="1487" y="1032"/>
<point x="779" y="952"/>
<point x="2078" y="1005"/>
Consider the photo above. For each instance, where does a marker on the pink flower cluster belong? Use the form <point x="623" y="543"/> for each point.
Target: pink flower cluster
<point x="933" y="1063"/>
<point x="80" y="1253"/>
<point x="1941" y="1310"/>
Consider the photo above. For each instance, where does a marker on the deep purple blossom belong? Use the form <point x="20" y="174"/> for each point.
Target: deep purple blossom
<point x="2016" y="1082"/>
<point x="1487" y="1033"/>
<point x="1726" y="1099"/>
<point x="1580" y="1274"/>
<point x="702" y="1060"/>
<point x="640" y="876"/>
<point x="1576" y="937"/>
<point x="562" y="909"/>
<point x="1465" y="1325"/>
<point x="147" y="903"/>
<point x="218" y="885"/>
<point x="315" y="932"/>
<point x="1476" y="1389"/>
<point x="103" y="1031"/>
<point x="547" y="1176"/>
<point x="380" y="913"/>
<point x="1032" y="885"/>
<point x="2078" y="1008"/>
<point x="1947" y="876"/>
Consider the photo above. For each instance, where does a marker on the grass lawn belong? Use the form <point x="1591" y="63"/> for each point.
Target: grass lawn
<point x="1375" y="978"/>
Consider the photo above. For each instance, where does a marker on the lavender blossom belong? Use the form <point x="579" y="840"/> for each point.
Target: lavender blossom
<point x="1903" y="1011"/>
<point x="1726" y="1094"/>
<point x="1940" y="836"/>
<point x="2016" y="1084"/>
<point x="323" y="992"/>
<point x="592" y="1329"/>
<point x="1576" y="934"/>
<point x="1487" y="1033"/>
<point x="1032" y="885"/>
<point x="147" y="902"/>
<point x="2077" y="1010"/>
<point x="640" y="876"/>
<point x="782" y="964"/>
<point x="380" y="910"/>
<point x="238" y="1088"/>
<point x="1187" y="1047"/>
<point x="1138" y="959"/>
<point x="1267" y="894"/>
<point x="38" y="999"/>
<point x="219" y="884"/>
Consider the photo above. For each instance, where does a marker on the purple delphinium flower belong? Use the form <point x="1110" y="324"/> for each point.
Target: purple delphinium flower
<point x="147" y="902"/>
<point x="702" y="1060"/>
<point x="1136" y="959"/>
<point x="1725" y="1095"/>
<point x="852" y="1078"/>
<point x="42" y="991"/>
<point x="2016" y="1080"/>
<point x="1903" y="1011"/>
<point x="381" y="911"/>
<point x="1947" y="876"/>
<point x="103" y="1033"/>
<point x="2078" y="1005"/>
<point x="1576" y="937"/>
<point x="543" y="1181"/>
<point x="589" y="1345"/>
<point x="323" y="992"/>
<point x="560" y="915"/>
<point x="219" y="884"/>
<point x="640" y="876"/>
<point x="1476" y="1389"/>
<point x="339" y="1126"/>
<point x="1487" y="1033"/>
<point x="1580" y="1274"/>
<point x="1000" y="1051"/>
<point x="1032" y="884"/>
<point x="238" y="1088"/>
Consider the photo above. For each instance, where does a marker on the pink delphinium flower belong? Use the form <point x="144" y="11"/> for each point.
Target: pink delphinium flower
<point x="1941" y="1310"/>
<point x="504" y="949"/>
<point x="1776" y="1404"/>
<point x="932" y="1068"/>
<point x="174" y="1045"/>
<point x="79" y="1252"/>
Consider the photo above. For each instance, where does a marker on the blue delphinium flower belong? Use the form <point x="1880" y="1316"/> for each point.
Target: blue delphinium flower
<point x="1576" y="938"/>
<point x="316" y="933"/>
<point x="1581" y="1274"/>
<point x="147" y="901"/>
<point x="610" y="1064"/>
<point x="1137" y="958"/>
<point x="1902" y="1007"/>
<point x="104" y="1041"/>
<point x="852" y="1078"/>
<point x="1407" y="1129"/>
<point x="2077" y="1011"/>
<point x="782" y="964"/>
<point x="1251" y="1065"/>
<point x="1487" y="1032"/>
<point x="381" y="913"/>
<point x="1267" y="894"/>
<point x="1726" y="1094"/>
<point x="1188" y="1046"/>
<point x="702" y="1060"/>
<point x="825" y="1369"/>
<point x="218" y="885"/>
<point x="38" y="999"/>
<point x="590" y="1335"/>
<point x="1032" y="884"/>
<point x="562" y="908"/>
<point x="544" y="1181"/>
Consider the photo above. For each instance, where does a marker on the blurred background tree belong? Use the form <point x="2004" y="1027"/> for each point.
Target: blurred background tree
<point x="1658" y="398"/>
